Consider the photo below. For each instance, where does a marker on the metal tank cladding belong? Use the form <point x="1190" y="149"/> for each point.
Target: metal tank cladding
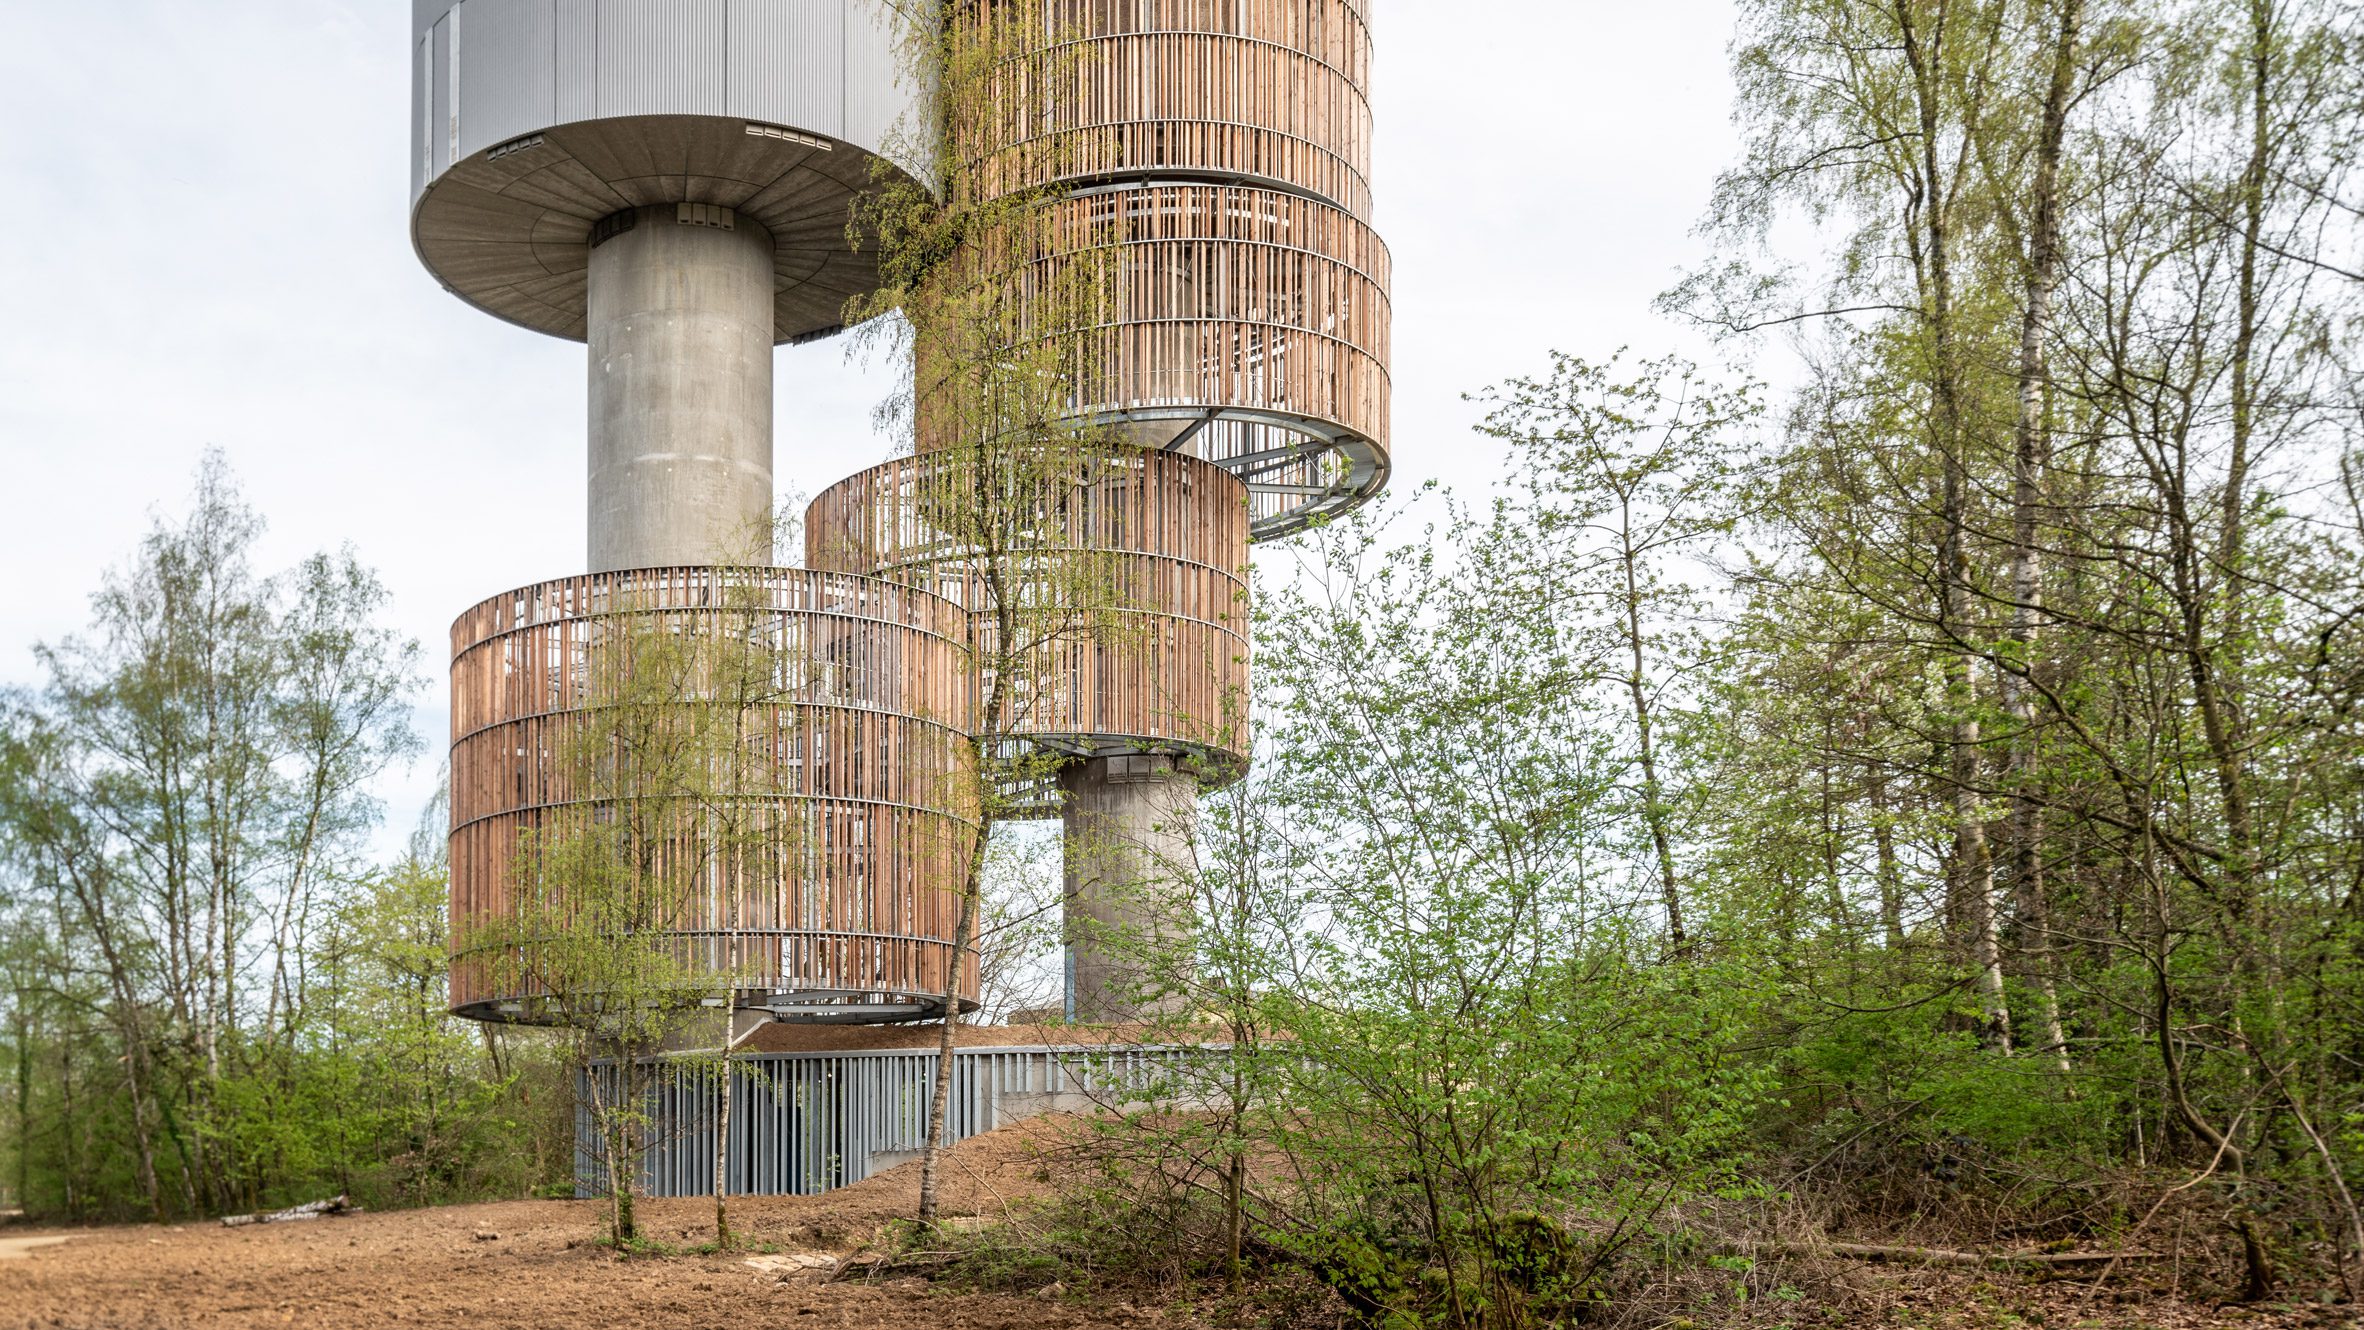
<point x="534" y="120"/>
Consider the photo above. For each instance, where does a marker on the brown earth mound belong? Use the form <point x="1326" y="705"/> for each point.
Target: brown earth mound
<point x="789" y="1037"/>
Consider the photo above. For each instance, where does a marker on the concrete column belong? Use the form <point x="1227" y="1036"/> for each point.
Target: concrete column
<point x="680" y="326"/>
<point x="1131" y="910"/>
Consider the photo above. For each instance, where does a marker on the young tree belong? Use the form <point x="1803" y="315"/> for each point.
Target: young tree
<point x="432" y="1108"/>
<point x="1004" y="466"/>
<point x="1624" y="489"/>
<point x="680" y="809"/>
<point x="1453" y="1042"/>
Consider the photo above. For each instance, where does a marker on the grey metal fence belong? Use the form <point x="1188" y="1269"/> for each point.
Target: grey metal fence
<point x="803" y="1123"/>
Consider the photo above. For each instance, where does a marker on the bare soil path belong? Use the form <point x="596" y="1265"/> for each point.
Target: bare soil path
<point x="526" y="1265"/>
<point x="17" y="1249"/>
<point x="426" y="1268"/>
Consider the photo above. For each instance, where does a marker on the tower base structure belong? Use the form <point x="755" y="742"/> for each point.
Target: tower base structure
<point x="673" y="183"/>
<point x="816" y="1108"/>
<point x="1131" y="823"/>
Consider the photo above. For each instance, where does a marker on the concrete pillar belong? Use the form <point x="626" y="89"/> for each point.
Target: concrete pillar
<point x="680" y="326"/>
<point x="1130" y="897"/>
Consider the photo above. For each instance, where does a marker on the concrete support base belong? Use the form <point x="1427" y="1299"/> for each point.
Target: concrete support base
<point x="680" y="327"/>
<point x="1130" y="868"/>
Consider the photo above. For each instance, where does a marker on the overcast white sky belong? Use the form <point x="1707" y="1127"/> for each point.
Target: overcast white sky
<point x="205" y="243"/>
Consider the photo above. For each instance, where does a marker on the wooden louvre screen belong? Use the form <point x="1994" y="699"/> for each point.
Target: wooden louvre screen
<point x="1159" y="664"/>
<point x="1256" y="322"/>
<point x="811" y="849"/>
<point x="1263" y="90"/>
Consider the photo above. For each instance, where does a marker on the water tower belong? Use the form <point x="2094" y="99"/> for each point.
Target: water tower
<point x="670" y="182"/>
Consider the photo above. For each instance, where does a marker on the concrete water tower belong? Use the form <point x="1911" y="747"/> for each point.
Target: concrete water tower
<point x="670" y="182"/>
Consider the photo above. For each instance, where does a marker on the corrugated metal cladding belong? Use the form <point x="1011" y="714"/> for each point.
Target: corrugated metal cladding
<point x="823" y="66"/>
<point x="439" y="105"/>
<point x="422" y="95"/>
<point x="660" y="57"/>
<point x="876" y="91"/>
<point x="758" y="33"/>
<point x="803" y="1123"/>
<point x="506" y="77"/>
<point x="577" y="61"/>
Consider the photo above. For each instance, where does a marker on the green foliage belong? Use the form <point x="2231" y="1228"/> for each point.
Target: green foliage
<point x="211" y="1001"/>
<point x="2034" y="634"/>
<point x="1947" y="788"/>
<point x="383" y="1096"/>
<point x="1468" y="1079"/>
<point x="428" y="1115"/>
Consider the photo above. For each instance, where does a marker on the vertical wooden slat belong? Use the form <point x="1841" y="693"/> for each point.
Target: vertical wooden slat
<point x="1274" y="91"/>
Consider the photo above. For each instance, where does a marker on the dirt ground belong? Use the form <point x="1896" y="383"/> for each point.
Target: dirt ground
<point x="525" y="1265"/>
<point x="531" y="1264"/>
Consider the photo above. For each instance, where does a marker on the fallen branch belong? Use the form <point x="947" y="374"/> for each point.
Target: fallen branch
<point x="875" y="1267"/>
<point x="334" y="1205"/>
<point x="1861" y="1251"/>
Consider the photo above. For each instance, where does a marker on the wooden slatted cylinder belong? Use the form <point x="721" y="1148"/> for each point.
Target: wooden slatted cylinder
<point x="1162" y="664"/>
<point x="810" y="846"/>
<point x="1266" y="91"/>
<point x="1208" y="163"/>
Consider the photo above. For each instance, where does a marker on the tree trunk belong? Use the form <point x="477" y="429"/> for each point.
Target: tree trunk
<point x="722" y="1141"/>
<point x="2216" y="672"/>
<point x="2254" y="173"/>
<point x="1235" y="1181"/>
<point x="731" y="1039"/>
<point x="24" y="1105"/>
<point x="91" y="898"/>
<point x="610" y="1122"/>
<point x="1890" y="874"/>
<point x="72" y="1173"/>
<point x="1653" y="796"/>
<point x="2259" y="1282"/>
<point x="1971" y="874"/>
<point x="990" y="732"/>
<point x="931" y="1155"/>
<point x="142" y="1087"/>
<point x="1234" y="1184"/>
<point x="2031" y="463"/>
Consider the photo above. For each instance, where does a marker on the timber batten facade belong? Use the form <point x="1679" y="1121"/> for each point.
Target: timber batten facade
<point x="830" y="889"/>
